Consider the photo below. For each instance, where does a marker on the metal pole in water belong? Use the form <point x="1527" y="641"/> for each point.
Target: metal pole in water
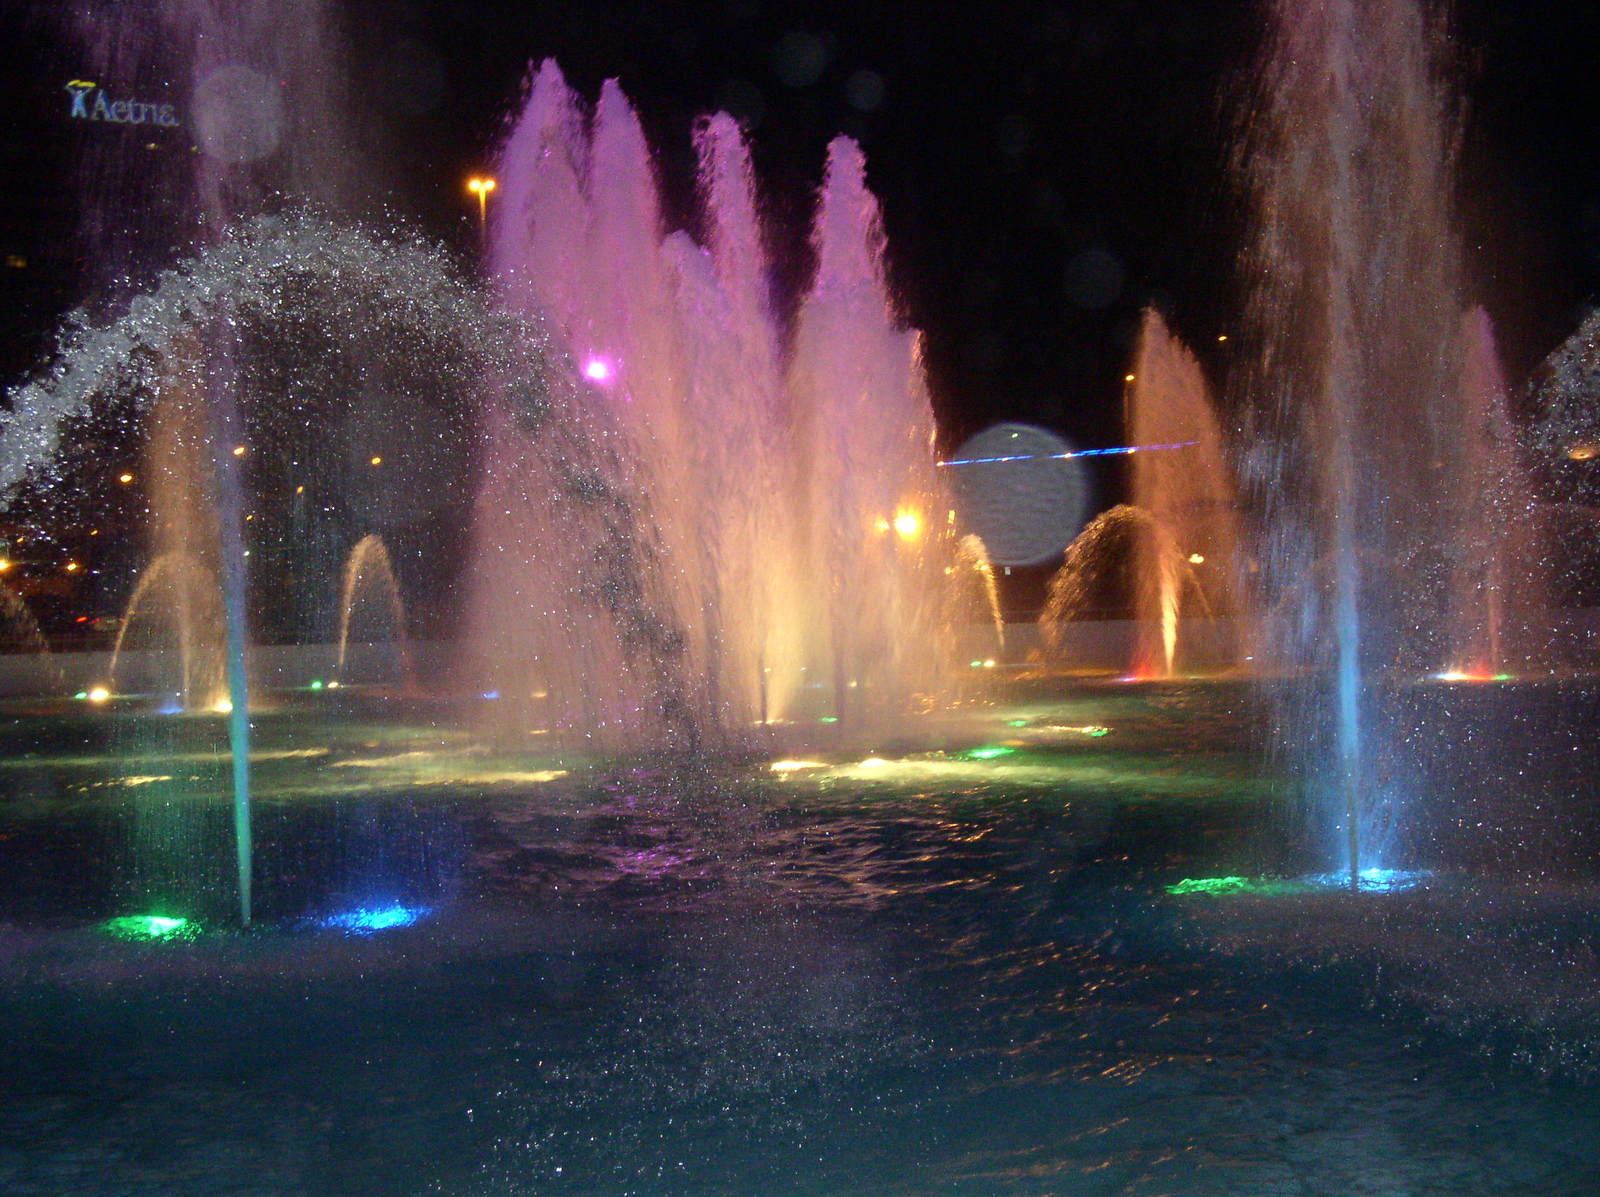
<point x="228" y="448"/>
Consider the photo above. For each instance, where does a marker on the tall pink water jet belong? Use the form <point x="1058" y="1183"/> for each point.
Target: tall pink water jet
<point x="1500" y="588"/>
<point x="863" y="431"/>
<point x="758" y="530"/>
<point x="1350" y="161"/>
<point x="1188" y="492"/>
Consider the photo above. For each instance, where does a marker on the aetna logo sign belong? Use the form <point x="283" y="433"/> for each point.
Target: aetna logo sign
<point x="91" y="103"/>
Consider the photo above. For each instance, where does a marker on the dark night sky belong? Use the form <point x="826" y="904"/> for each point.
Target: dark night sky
<point x="1019" y="149"/>
<point x="1045" y="168"/>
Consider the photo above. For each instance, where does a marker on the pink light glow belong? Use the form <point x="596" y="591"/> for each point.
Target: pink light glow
<point x="598" y="370"/>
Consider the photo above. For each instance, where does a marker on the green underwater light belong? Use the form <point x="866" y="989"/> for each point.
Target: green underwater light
<point x="1229" y="885"/>
<point x="988" y="752"/>
<point x="316" y="683"/>
<point x="829" y="719"/>
<point x="150" y="926"/>
<point x="1016" y="723"/>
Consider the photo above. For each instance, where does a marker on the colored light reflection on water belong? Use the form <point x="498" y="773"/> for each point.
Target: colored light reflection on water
<point x="150" y="926"/>
<point x="365" y="920"/>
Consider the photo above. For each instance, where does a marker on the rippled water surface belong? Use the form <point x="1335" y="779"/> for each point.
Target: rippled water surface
<point x="884" y="968"/>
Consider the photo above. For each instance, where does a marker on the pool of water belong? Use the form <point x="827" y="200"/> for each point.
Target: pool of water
<point x="951" y="963"/>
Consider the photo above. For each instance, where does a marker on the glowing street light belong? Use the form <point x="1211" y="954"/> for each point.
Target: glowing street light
<point x="481" y="186"/>
<point x="907" y="524"/>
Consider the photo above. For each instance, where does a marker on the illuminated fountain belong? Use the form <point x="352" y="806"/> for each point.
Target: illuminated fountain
<point x="799" y="532"/>
<point x="368" y="581"/>
<point x="279" y="283"/>
<point x="1501" y="590"/>
<point x="1378" y="436"/>
<point x="683" y="528"/>
<point x="1189" y="493"/>
<point x="1126" y="551"/>
<point x="671" y="969"/>
<point x="179" y="601"/>
<point x="174" y="614"/>
<point x="1174" y="550"/>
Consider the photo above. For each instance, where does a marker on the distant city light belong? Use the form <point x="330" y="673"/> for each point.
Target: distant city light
<point x="238" y="450"/>
<point x="1222" y="337"/>
<point x="73" y="567"/>
<point x="1197" y="559"/>
<point x="124" y="478"/>
<point x="1127" y="378"/>
<point x="97" y="694"/>
<point x="481" y="186"/>
<point x="376" y="460"/>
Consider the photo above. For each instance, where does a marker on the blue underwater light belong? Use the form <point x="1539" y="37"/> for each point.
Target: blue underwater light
<point x="1376" y="881"/>
<point x="364" y="920"/>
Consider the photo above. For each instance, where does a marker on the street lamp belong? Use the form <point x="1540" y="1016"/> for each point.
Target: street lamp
<point x="481" y="186"/>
